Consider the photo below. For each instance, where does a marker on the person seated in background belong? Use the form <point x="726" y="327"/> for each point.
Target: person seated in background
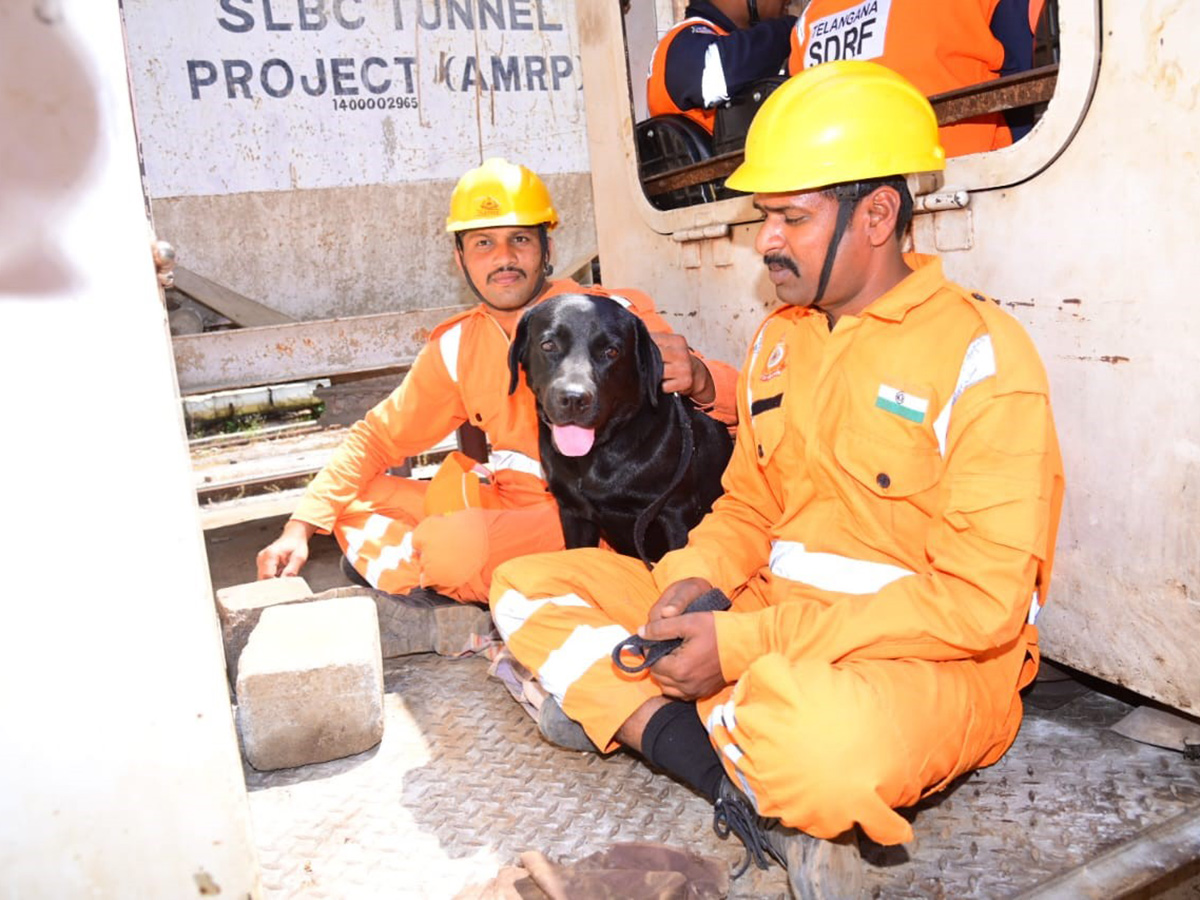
<point x="938" y="46"/>
<point x="717" y="51"/>
<point x="447" y="535"/>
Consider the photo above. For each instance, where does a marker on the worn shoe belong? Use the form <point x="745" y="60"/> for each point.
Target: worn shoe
<point x="424" y="621"/>
<point x="561" y="730"/>
<point x="817" y="869"/>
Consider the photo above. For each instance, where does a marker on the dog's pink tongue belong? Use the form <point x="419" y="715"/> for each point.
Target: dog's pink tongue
<point x="571" y="440"/>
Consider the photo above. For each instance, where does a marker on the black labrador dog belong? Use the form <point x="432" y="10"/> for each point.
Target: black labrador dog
<point x="625" y="461"/>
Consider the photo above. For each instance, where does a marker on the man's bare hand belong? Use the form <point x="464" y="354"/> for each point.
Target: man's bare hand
<point x="683" y="373"/>
<point x="693" y="670"/>
<point x="677" y="596"/>
<point x="288" y="553"/>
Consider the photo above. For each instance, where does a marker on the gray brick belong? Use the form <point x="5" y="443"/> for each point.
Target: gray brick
<point x="241" y="605"/>
<point x="310" y="683"/>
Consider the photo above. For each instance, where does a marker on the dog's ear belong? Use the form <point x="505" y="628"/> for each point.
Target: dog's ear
<point x="649" y="362"/>
<point x="516" y="352"/>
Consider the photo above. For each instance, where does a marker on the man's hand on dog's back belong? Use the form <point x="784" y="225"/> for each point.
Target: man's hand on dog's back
<point x="683" y="373"/>
<point x="288" y="553"/>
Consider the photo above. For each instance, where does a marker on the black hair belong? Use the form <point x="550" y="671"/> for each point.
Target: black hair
<point x="853" y="191"/>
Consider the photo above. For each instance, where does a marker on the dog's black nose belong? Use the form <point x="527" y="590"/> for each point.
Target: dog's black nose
<point x="573" y="402"/>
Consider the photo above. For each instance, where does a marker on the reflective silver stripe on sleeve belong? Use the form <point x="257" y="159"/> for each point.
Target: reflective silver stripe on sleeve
<point x="979" y="363"/>
<point x="712" y="83"/>
<point x="617" y="298"/>
<point x="830" y="571"/>
<point x="517" y="462"/>
<point x="448" y="344"/>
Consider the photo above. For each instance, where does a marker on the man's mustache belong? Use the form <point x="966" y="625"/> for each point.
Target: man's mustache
<point x="516" y="269"/>
<point x="778" y="259"/>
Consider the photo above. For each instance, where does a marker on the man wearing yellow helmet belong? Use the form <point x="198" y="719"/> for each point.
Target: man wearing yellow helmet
<point x="886" y="535"/>
<point x="447" y="535"/>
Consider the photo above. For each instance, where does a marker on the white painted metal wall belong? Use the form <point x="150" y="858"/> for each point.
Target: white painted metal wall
<point x="1084" y="229"/>
<point x="119" y="770"/>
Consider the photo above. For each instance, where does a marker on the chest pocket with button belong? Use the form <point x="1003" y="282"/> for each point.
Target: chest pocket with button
<point x="885" y="467"/>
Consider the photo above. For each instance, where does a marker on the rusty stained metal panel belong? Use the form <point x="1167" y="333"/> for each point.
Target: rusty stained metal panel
<point x="697" y="173"/>
<point x="248" y="357"/>
<point x="1010" y="92"/>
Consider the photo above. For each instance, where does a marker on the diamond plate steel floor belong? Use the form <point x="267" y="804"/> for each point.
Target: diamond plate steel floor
<point x="462" y="783"/>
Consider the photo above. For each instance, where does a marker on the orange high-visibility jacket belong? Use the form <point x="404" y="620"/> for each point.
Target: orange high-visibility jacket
<point x="461" y="375"/>
<point x="896" y="483"/>
<point x="938" y="47"/>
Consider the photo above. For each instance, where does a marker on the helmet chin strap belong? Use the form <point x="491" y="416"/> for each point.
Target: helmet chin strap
<point x="545" y="268"/>
<point x="752" y="9"/>
<point x="846" y="206"/>
<point x="848" y="196"/>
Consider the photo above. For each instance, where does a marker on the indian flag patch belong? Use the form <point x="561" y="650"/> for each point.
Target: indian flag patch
<point x="896" y="401"/>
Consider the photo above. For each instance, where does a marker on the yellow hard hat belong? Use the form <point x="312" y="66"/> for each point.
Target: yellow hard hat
<point x="849" y="120"/>
<point x="500" y="193"/>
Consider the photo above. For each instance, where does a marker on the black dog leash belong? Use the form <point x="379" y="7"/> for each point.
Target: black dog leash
<point x="713" y="600"/>
<point x="685" y="458"/>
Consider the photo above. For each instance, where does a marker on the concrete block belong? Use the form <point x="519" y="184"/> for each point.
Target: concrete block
<point x="310" y="683"/>
<point x="241" y="605"/>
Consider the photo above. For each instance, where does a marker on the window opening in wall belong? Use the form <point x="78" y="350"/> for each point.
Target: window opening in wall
<point x="680" y="164"/>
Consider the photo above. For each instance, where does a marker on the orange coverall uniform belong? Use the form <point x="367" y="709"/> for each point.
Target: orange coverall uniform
<point x="400" y="533"/>
<point x="937" y="47"/>
<point x="886" y="536"/>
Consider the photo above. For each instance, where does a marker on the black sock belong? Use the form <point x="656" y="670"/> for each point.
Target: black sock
<point x="675" y="740"/>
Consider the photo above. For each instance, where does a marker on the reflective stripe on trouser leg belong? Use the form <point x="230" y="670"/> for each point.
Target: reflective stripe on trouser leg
<point x="390" y="542"/>
<point x="374" y="531"/>
<point x="824" y="747"/>
<point x="561" y="614"/>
